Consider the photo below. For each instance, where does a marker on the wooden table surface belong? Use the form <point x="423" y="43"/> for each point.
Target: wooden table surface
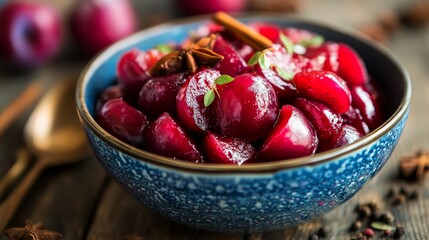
<point x="82" y="202"/>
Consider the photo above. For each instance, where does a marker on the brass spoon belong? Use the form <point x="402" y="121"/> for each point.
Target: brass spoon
<point x="54" y="135"/>
<point x="14" y="173"/>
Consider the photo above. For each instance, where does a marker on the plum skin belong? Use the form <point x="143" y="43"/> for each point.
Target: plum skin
<point x="246" y="108"/>
<point x="292" y="136"/>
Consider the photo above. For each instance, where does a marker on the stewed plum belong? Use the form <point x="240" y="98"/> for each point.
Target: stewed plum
<point x="222" y="149"/>
<point x="326" y="87"/>
<point x="190" y="100"/>
<point x="325" y="121"/>
<point x="292" y="136"/>
<point x="158" y="95"/>
<point x="233" y="63"/>
<point x="123" y="121"/>
<point x="246" y="108"/>
<point x="166" y="137"/>
<point x="232" y="94"/>
<point x="133" y="69"/>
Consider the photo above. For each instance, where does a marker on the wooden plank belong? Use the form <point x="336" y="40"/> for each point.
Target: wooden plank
<point x="64" y="198"/>
<point x="119" y="216"/>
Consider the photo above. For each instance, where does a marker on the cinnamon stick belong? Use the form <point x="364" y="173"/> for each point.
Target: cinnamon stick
<point x="257" y="41"/>
<point x="19" y="105"/>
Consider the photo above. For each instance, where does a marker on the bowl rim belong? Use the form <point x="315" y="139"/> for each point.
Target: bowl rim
<point x="262" y="167"/>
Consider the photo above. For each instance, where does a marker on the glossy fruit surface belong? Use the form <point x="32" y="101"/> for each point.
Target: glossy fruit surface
<point x="167" y="138"/>
<point x="232" y="64"/>
<point x="243" y="49"/>
<point x="221" y="149"/>
<point x="324" y="57"/>
<point x="284" y="90"/>
<point x="280" y="58"/>
<point x="270" y="31"/>
<point x="112" y="92"/>
<point x="30" y="33"/>
<point x="368" y="104"/>
<point x="292" y="136"/>
<point x="351" y="67"/>
<point x="190" y="100"/>
<point x="246" y="107"/>
<point x="123" y="121"/>
<point x="133" y="69"/>
<point x="340" y="59"/>
<point x="326" y="87"/>
<point x="158" y="95"/>
<point x="326" y="122"/>
<point x="354" y="118"/>
<point x="346" y="135"/>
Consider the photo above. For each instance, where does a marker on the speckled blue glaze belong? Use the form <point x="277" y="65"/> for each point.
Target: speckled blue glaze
<point x="253" y="201"/>
<point x="246" y="202"/>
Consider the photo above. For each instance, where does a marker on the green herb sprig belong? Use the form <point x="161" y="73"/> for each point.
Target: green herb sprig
<point x="261" y="58"/>
<point x="164" y="48"/>
<point x="317" y="40"/>
<point x="210" y="95"/>
<point x="265" y="63"/>
<point x="288" y="76"/>
<point x="287" y="43"/>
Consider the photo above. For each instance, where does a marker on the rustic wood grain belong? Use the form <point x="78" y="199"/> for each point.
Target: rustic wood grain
<point x="120" y="216"/>
<point x="64" y="199"/>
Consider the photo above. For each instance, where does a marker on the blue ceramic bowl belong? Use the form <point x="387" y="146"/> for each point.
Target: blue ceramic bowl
<point x="254" y="197"/>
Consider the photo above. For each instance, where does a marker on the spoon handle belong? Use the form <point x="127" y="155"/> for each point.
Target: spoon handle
<point x="19" y="105"/>
<point x="9" y="206"/>
<point x="17" y="169"/>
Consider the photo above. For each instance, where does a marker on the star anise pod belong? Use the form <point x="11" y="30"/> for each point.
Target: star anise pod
<point x="31" y="232"/>
<point x="192" y="56"/>
<point x="415" y="167"/>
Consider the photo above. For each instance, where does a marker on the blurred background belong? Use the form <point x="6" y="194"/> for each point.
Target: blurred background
<point x="82" y="25"/>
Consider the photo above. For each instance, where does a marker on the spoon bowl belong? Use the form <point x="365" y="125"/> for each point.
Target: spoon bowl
<point x="53" y="131"/>
<point x="53" y="134"/>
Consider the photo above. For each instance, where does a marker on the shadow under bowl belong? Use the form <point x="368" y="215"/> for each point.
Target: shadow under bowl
<point x="254" y="197"/>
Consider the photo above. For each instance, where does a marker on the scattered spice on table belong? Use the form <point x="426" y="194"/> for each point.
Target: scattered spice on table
<point x="313" y="237"/>
<point x="415" y="167"/>
<point x="321" y="233"/>
<point x="368" y="232"/>
<point x="359" y="236"/>
<point x="416" y="14"/>
<point x="386" y="217"/>
<point x="398" y="233"/>
<point x="31" y="232"/>
<point x="356" y="225"/>
<point x="371" y="219"/>
<point x="399" y="195"/>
